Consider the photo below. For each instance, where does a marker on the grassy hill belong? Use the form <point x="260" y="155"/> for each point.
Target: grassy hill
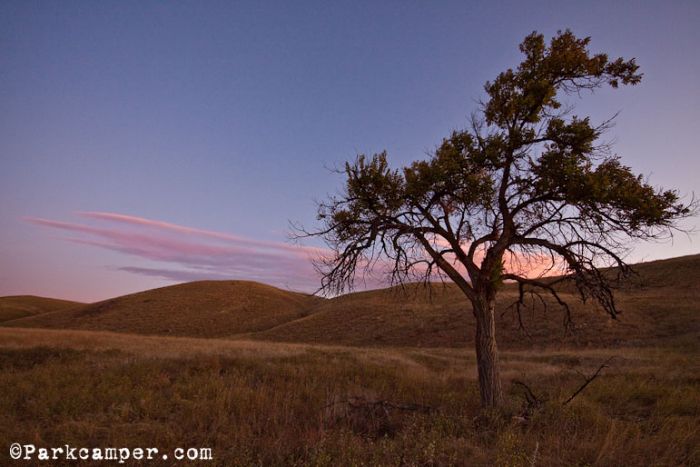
<point x="19" y="306"/>
<point x="385" y="318"/>
<point x="659" y="304"/>
<point x="199" y="309"/>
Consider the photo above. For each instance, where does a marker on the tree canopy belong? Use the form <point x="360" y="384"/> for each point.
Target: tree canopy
<point x="528" y="182"/>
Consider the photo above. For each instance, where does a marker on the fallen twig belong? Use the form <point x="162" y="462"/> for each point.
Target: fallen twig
<point x="533" y="459"/>
<point x="588" y="381"/>
<point x="361" y="402"/>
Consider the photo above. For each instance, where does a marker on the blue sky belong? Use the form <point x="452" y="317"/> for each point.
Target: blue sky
<point x="224" y="117"/>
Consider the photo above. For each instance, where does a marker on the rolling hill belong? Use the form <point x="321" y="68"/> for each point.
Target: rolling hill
<point x="659" y="304"/>
<point x="196" y="309"/>
<point x="19" y="306"/>
<point x="662" y="302"/>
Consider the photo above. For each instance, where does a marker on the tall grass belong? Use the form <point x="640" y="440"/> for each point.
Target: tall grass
<point x="288" y="405"/>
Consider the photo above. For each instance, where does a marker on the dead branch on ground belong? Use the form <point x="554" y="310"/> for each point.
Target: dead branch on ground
<point x="588" y="381"/>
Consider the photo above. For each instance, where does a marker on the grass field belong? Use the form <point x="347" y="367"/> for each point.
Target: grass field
<point x="260" y="403"/>
<point x="312" y="384"/>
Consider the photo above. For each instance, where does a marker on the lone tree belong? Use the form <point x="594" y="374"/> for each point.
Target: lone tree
<point x="527" y="182"/>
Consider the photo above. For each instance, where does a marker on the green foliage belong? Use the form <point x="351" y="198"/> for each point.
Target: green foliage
<point x="456" y="175"/>
<point x="373" y="187"/>
<point x="528" y="93"/>
<point x="609" y="188"/>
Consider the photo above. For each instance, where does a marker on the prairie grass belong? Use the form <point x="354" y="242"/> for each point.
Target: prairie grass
<point x="259" y="403"/>
<point x="20" y="306"/>
<point x="195" y="309"/>
<point x="658" y="307"/>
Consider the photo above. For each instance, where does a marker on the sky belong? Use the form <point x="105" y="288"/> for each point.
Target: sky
<point x="145" y="143"/>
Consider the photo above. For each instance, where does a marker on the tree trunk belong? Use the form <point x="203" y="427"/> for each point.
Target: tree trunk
<point x="487" y="352"/>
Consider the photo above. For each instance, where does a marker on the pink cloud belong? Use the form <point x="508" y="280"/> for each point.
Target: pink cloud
<point x="184" y="253"/>
<point x="170" y="227"/>
<point x="187" y="253"/>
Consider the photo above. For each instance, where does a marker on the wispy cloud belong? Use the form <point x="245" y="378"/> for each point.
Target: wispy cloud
<point x="191" y="231"/>
<point x="182" y="253"/>
<point x="188" y="253"/>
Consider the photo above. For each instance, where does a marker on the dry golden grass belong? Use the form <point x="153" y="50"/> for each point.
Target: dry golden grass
<point x="261" y="403"/>
<point x="258" y="402"/>
<point x="199" y="309"/>
<point x="657" y="307"/>
<point x="19" y="306"/>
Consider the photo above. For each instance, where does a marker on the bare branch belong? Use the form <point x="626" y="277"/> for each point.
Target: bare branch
<point x="588" y="381"/>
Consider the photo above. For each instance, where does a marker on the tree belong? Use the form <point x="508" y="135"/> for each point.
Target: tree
<point x="528" y="181"/>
